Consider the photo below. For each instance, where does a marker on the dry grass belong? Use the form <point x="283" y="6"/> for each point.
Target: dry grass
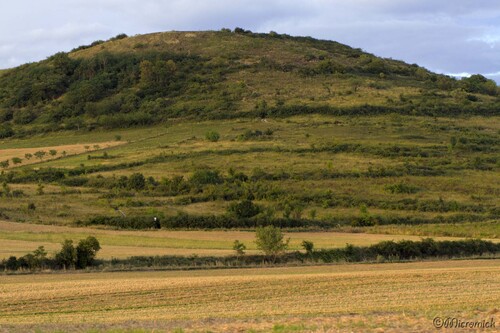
<point x="322" y="298"/>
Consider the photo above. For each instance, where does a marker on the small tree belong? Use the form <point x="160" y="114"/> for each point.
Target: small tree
<point x="270" y="240"/>
<point x="40" y="154"/>
<point x="86" y="251"/>
<point x="12" y="264"/>
<point x="28" y="156"/>
<point x="53" y="152"/>
<point x="212" y="136"/>
<point x="244" y="209"/>
<point x="67" y="257"/>
<point x="239" y="247"/>
<point x="17" y="160"/>
<point x="308" y="246"/>
<point x="39" y="256"/>
<point x="136" y="181"/>
<point x="4" y="164"/>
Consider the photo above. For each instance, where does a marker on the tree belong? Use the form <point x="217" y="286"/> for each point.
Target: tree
<point x="17" y="160"/>
<point x="244" y="209"/>
<point x="53" y="152"/>
<point x="136" y="181"/>
<point x="239" y="247"/>
<point x="12" y="263"/>
<point x="40" y="154"/>
<point x="4" y="164"/>
<point x="39" y="257"/>
<point x="28" y="156"/>
<point x="308" y="246"/>
<point x="270" y="240"/>
<point x="86" y="251"/>
<point x="6" y="131"/>
<point x="67" y="257"/>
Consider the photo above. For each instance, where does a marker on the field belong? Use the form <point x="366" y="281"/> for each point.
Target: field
<point x="389" y="297"/>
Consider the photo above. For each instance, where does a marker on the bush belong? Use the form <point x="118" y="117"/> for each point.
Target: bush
<point x="6" y="131"/>
<point x="204" y="177"/>
<point x="244" y="209"/>
<point x="136" y="182"/>
<point x="212" y="136"/>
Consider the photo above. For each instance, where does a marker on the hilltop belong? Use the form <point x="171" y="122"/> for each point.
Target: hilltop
<point x="146" y="79"/>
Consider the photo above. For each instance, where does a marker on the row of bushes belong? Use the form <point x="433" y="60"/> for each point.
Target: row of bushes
<point x="186" y="221"/>
<point x="384" y="251"/>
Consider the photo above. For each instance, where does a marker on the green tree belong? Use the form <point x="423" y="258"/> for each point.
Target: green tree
<point x="53" y="152"/>
<point x="270" y="240"/>
<point x="28" y="156"/>
<point x="136" y="181"/>
<point x="308" y="246"/>
<point x="40" y="154"/>
<point x="6" y="131"/>
<point x="86" y="251"/>
<point x="239" y="247"/>
<point x="67" y="257"/>
<point x="17" y="160"/>
<point x="4" y="164"/>
<point x="244" y="209"/>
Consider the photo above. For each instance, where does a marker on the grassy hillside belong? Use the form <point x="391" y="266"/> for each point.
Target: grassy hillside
<point x="146" y="79"/>
<point x="380" y="174"/>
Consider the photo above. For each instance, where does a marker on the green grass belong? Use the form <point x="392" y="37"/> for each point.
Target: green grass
<point x="292" y="149"/>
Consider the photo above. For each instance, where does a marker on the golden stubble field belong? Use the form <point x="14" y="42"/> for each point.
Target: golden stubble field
<point x="358" y="297"/>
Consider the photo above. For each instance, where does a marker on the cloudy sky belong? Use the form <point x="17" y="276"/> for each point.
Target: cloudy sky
<point x="453" y="37"/>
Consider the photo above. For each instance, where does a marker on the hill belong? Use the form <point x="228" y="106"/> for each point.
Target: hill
<point x="146" y="79"/>
<point x="240" y="130"/>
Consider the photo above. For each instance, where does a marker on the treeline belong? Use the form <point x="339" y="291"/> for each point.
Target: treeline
<point x="69" y="257"/>
<point x="380" y="252"/>
<point x="228" y="221"/>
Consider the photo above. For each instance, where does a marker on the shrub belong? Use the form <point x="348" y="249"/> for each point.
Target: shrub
<point x="204" y="177"/>
<point x="6" y="131"/>
<point x="239" y="247"/>
<point x="401" y="188"/>
<point x="136" y="181"/>
<point x="308" y="246"/>
<point x="244" y="209"/>
<point x="212" y="136"/>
